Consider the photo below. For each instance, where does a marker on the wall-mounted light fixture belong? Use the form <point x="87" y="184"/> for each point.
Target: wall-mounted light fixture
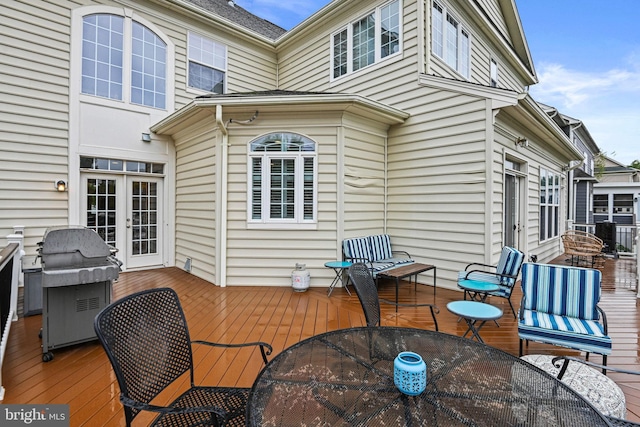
<point x="522" y="142"/>
<point x="61" y="185"/>
<point x="146" y="137"/>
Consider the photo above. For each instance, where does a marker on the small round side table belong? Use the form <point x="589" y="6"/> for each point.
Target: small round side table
<point x="338" y="267"/>
<point x="473" y="312"/>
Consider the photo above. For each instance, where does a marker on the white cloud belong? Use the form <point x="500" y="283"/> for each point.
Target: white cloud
<point x="608" y="103"/>
<point x="570" y="87"/>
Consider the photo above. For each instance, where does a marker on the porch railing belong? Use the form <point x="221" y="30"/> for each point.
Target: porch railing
<point x="638" y="261"/>
<point x="9" y="275"/>
<point x="625" y="237"/>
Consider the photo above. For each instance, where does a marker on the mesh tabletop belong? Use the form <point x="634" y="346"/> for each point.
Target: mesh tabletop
<point x="345" y="377"/>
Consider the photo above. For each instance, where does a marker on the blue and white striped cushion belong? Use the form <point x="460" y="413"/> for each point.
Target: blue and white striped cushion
<point x="379" y="266"/>
<point x="479" y="276"/>
<point x="380" y="247"/>
<point x="561" y="290"/>
<point x="585" y="335"/>
<point x="510" y="262"/>
<point x="357" y="249"/>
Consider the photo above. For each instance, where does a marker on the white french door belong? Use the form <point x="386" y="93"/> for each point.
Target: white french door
<point x="512" y="210"/>
<point x="144" y="221"/>
<point x="126" y="211"/>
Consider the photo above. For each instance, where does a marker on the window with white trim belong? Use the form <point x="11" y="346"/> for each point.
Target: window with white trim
<point x="549" y="204"/>
<point x="283" y="179"/>
<point x="450" y="41"/>
<point x="493" y="79"/>
<point x="103" y="66"/>
<point x="207" y="64"/>
<point x="368" y="40"/>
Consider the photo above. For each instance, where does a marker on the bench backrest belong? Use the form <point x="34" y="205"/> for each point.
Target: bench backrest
<point x="561" y="290"/>
<point x="371" y="248"/>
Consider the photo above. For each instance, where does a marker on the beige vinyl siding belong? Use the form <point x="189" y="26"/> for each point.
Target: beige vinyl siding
<point x="436" y="162"/>
<point x="34" y="85"/>
<point x="537" y="155"/>
<point x="306" y="65"/>
<point x="250" y="69"/>
<point x="494" y="11"/>
<point x="266" y="257"/>
<point x="249" y="66"/>
<point x="196" y="177"/>
<point x="296" y="73"/>
<point x="364" y="183"/>
<point x="437" y="182"/>
<point x="34" y="88"/>
<point x="482" y="50"/>
<point x="481" y="56"/>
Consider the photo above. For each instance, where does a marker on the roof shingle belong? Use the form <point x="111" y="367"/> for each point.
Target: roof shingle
<point x="234" y="13"/>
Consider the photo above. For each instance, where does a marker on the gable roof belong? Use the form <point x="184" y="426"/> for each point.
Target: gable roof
<point x="517" y="35"/>
<point x="229" y="10"/>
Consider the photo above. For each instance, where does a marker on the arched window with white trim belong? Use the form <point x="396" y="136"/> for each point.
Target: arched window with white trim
<point x="111" y="65"/>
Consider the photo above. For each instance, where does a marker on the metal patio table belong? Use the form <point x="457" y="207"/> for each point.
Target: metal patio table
<point x="345" y="378"/>
<point x="477" y="291"/>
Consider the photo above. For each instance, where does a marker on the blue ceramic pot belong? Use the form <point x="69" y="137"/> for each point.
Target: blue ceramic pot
<point x="410" y="373"/>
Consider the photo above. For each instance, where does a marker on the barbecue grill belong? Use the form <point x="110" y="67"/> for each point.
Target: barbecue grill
<point x="78" y="270"/>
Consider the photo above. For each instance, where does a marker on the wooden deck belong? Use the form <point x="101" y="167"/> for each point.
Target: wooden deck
<point x="81" y="375"/>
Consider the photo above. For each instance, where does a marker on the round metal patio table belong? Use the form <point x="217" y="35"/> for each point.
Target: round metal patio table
<point x="345" y="378"/>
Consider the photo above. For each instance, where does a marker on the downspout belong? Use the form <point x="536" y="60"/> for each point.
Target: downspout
<point x="222" y="209"/>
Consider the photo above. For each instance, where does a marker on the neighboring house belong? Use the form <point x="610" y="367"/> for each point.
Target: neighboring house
<point x="582" y="174"/>
<point x="193" y="133"/>
<point x="616" y="200"/>
<point x="616" y="194"/>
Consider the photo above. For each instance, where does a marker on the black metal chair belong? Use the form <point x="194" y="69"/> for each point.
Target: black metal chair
<point x="146" y="338"/>
<point x="362" y="279"/>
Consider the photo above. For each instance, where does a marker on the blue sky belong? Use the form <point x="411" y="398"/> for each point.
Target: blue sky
<point x="586" y="54"/>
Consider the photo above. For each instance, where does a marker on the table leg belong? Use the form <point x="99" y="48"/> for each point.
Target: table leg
<point x="332" y="285"/>
<point x="397" y="284"/>
<point x="339" y="272"/>
<point x="346" y="284"/>
<point x="474" y="331"/>
<point x="434" y="283"/>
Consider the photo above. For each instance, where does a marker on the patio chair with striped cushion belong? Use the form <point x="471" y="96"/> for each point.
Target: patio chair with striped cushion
<point x="504" y="275"/>
<point x="560" y="307"/>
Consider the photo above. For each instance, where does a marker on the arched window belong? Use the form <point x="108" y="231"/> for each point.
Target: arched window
<point x="103" y="66"/>
<point x="282" y="177"/>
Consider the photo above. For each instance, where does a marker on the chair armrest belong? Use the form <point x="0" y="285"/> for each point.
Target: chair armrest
<point x="481" y="265"/>
<point x="432" y="307"/>
<point x="263" y="346"/>
<point x="521" y="311"/>
<point x="141" y="406"/>
<point x="564" y="360"/>
<point x="604" y="319"/>
<point x="488" y="273"/>
<point x="405" y="253"/>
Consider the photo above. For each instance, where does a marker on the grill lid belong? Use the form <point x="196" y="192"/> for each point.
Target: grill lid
<point x="73" y="247"/>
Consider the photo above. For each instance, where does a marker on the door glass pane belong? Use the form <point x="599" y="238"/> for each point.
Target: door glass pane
<point x="510" y="223"/>
<point x="101" y="208"/>
<point x="144" y="217"/>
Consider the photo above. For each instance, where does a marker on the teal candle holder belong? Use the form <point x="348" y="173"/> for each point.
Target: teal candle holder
<point x="410" y="373"/>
